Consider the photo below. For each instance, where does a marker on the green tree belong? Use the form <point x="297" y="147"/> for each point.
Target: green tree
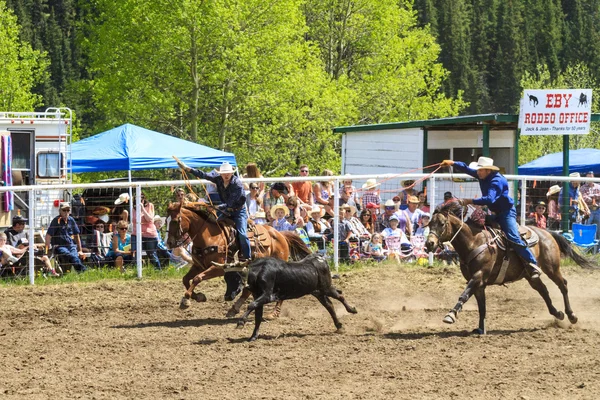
<point x="22" y="67"/>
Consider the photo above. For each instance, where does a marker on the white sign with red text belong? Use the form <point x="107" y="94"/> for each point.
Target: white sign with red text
<point x="556" y="112"/>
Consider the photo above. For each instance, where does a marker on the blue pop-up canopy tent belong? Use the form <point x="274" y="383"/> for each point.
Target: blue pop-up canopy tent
<point x="582" y="161"/>
<point x="130" y="148"/>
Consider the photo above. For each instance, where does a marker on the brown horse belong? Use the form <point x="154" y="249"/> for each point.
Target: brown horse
<point x="481" y="262"/>
<point x="215" y="240"/>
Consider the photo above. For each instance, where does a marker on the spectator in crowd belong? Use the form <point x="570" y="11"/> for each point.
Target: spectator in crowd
<point x="317" y="226"/>
<point x="423" y="204"/>
<point x="120" y="211"/>
<point x="260" y="217"/>
<point x="358" y="229"/>
<point x="121" y="251"/>
<point x="16" y="236"/>
<point x="252" y="171"/>
<point x="553" y="220"/>
<point x="448" y="197"/>
<point x="323" y="191"/>
<point x="179" y="195"/>
<point x="8" y="253"/>
<point x="591" y="195"/>
<point x="348" y="197"/>
<point x="293" y="205"/>
<point x="375" y="248"/>
<point x="383" y="221"/>
<point x="370" y="194"/>
<point x="538" y="218"/>
<point x="279" y="216"/>
<point x="414" y="214"/>
<point x="397" y="201"/>
<point x="393" y="231"/>
<point x="149" y="233"/>
<point x="303" y="189"/>
<point x="366" y="218"/>
<point x="99" y="245"/>
<point x="573" y="193"/>
<point x="347" y="182"/>
<point x="63" y="236"/>
<point x="423" y="229"/>
<point x="278" y="194"/>
<point x="407" y="191"/>
<point x="253" y="199"/>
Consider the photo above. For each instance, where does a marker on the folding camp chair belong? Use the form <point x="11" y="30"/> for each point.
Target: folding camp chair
<point x="395" y="249"/>
<point x="584" y="236"/>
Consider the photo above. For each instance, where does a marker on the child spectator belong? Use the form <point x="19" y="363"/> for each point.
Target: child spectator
<point x="537" y="218"/>
<point x="395" y="238"/>
<point x="375" y="248"/>
<point x="370" y="194"/>
<point x="280" y="222"/>
<point x="423" y="229"/>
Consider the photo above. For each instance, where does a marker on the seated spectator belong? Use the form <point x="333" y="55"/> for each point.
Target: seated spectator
<point x="303" y="189"/>
<point x="279" y="216"/>
<point x="253" y="199"/>
<point x="277" y="194"/>
<point x="423" y="204"/>
<point x="260" y="217"/>
<point x="99" y="245"/>
<point x="423" y="229"/>
<point x="63" y="236"/>
<point x="121" y="247"/>
<point x="447" y="198"/>
<point x="16" y="236"/>
<point x="8" y="253"/>
<point x="358" y="229"/>
<point x="322" y="191"/>
<point x="407" y="191"/>
<point x="252" y="171"/>
<point x="537" y="218"/>
<point x="414" y="215"/>
<point x="317" y="226"/>
<point x="389" y="209"/>
<point x="370" y="193"/>
<point x="121" y="211"/>
<point x="164" y="254"/>
<point x="367" y="219"/>
<point x="395" y="236"/>
<point x="294" y="209"/>
<point x="347" y="197"/>
<point x="374" y="248"/>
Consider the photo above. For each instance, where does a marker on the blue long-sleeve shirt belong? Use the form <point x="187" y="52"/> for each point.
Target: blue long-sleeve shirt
<point x="494" y="189"/>
<point x="233" y="195"/>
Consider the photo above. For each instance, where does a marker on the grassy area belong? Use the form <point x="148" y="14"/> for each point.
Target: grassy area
<point x="94" y="275"/>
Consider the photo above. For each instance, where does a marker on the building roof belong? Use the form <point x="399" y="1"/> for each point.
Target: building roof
<point x="467" y="122"/>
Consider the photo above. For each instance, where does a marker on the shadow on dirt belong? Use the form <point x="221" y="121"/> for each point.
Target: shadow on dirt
<point x="445" y="335"/>
<point x="180" y="323"/>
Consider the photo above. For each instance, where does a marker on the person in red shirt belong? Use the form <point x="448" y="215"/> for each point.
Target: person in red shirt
<point x="303" y="189"/>
<point x="538" y="218"/>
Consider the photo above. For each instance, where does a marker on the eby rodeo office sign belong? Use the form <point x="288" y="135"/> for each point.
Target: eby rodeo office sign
<point x="556" y="112"/>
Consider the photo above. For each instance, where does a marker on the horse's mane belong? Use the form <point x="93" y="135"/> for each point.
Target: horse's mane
<point x="199" y="208"/>
<point x="455" y="209"/>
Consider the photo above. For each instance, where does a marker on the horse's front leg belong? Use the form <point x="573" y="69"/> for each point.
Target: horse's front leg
<point x="473" y="285"/>
<point x="480" y="296"/>
<point x="209" y="273"/>
<point x="185" y="300"/>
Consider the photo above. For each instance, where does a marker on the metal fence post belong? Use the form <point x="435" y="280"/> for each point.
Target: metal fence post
<point x="432" y="199"/>
<point x="523" y="210"/>
<point x="335" y="225"/>
<point x="31" y="265"/>
<point x="138" y="230"/>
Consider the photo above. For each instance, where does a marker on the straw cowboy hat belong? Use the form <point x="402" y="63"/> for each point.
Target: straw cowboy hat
<point x="370" y="184"/>
<point x="553" y="190"/>
<point x="279" y="207"/>
<point x="541" y="204"/>
<point x="123" y="198"/>
<point x="260" y="214"/>
<point x="408" y="182"/>
<point x="349" y="207"/>
<point x="413" y="199"/>
<point x="316" y="209"/>
<point x="484" y="163"/>
<point x="226" y="168"/>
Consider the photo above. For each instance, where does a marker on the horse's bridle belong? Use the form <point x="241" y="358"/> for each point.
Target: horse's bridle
<point x="462" y="222"/>
<point x="180" y="233"/>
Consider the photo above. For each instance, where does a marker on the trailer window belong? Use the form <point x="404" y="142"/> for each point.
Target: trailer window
<point x="48" y="165"/>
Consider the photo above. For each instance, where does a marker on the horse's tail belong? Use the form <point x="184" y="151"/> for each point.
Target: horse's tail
<point x="298" y="249"/>
<point x="566" y="249"/>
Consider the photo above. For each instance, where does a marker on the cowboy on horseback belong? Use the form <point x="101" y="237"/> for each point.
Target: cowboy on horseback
<point x="494" y="195"/>
<point x="231" y="192"/>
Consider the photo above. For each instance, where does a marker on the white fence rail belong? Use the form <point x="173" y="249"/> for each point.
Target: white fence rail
<point x="531" y="188"/>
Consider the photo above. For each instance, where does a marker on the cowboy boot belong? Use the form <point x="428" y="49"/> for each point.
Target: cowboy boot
<point x="534" y="271"/>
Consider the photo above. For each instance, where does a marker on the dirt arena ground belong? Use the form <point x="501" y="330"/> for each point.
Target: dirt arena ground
<point x="117" y="339"/>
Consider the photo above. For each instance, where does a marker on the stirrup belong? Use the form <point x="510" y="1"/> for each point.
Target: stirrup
<point x="534" y="271"/>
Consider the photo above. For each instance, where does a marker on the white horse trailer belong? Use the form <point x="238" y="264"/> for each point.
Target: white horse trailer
<point x="40" y="143"/>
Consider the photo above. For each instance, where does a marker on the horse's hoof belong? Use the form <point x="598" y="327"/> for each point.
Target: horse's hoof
<point x="232" y="312"/>
<point x="450" y="318"/>
<point x="252" y="338"/>
<point x="478" y="331"/>
<point x="352" y="310"/>
<point x="340" y="330"/>
<point x="199" y="297"/>
<point x="560" y="315"/>
<point x="185" y="303"/>
<point x="573" y="319"/>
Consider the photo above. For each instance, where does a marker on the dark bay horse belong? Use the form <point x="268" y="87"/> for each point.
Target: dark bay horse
<point x="481" y="261"/>
<point x="214" y="240"/>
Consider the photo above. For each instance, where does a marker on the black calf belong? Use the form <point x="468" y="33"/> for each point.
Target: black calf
<point x="271" y="279"/>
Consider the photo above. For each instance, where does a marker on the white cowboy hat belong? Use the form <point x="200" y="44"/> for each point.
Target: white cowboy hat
<point x="370" y="184"/>
<point x="159" y="218"/>
<point x="553" y="189"/>
<point x="123" y="198"/>
<point x="260" y="214"/>
<point x="104" y="218"/>
<point x="279" y="207"/>
<point x="317" y="209"/>
<point x="226" y="168"/>
<point x="485" y="163"/>
<point x="575" y="175"/>
<point x="349" y="207"/>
